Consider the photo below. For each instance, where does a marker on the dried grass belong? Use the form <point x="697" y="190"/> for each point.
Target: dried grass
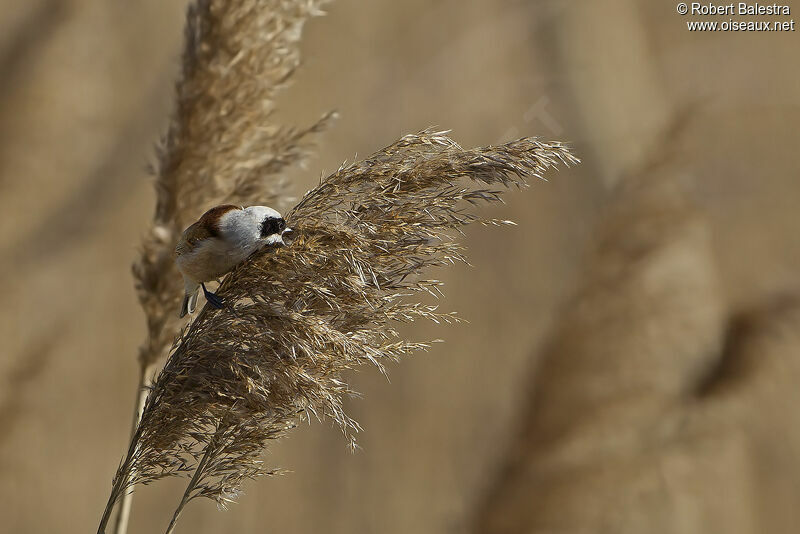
<point x="301" y="315"/>
<point x="602" y="425"/>
<point x="221" y="147"/>
<point x="297" y="317"/>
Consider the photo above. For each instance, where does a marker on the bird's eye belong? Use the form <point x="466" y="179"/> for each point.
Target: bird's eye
<point x="272" y="226"/>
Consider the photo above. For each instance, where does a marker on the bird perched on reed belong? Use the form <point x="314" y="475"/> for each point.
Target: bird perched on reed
<point x="221" y="239"/>
<point x="298" y="319"/>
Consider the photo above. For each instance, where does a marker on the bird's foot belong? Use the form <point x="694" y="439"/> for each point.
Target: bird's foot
<point x="213" y="298"/>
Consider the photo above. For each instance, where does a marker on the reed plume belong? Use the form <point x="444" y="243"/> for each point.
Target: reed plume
<point x="221" y="146"/>
<point x="298" y="316"/>
<point x="608" y="402"/>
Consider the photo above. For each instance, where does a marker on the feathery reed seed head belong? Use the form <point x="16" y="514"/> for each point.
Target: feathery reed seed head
<point x="222" y="146"/>
<point x="298" y="316"/>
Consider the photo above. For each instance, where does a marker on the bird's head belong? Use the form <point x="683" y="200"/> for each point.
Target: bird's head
<point x="271" y="225"/>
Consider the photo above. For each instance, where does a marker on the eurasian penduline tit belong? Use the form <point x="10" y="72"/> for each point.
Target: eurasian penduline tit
<point x="221" y="239"/>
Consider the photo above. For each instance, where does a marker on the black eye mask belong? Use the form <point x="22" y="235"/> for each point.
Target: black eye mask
<point x="271" y="226"/>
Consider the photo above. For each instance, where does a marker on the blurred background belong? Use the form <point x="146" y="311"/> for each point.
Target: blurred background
<point x="633" y="347"/>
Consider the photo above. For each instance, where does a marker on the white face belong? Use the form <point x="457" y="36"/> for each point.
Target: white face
<point x="262" y="212"/>
<point x="270" y="223"/>
<point x="252" y="227"/>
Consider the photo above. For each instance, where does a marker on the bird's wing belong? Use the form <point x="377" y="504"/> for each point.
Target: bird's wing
<point x="191" y="237"/>
<point x="206" y="227"/>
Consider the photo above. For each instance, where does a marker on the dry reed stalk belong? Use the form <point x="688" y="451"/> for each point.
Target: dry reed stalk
<point x="220" y="147"/>
<point x="603" y="423"/>
<point x="297" y="317"/>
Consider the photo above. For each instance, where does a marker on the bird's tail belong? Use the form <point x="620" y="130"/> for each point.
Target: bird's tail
<point x="189" y="300"/>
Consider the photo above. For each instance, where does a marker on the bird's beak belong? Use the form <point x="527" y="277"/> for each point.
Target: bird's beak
<point x="288" y="233"/>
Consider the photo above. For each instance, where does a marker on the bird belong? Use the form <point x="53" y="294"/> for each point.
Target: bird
<point x="221" y="239"/>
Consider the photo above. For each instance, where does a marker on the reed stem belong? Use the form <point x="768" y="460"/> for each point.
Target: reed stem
<point x="189" y="488"/>
<point x="145" y="382"/>
<point x="119" y="483"/>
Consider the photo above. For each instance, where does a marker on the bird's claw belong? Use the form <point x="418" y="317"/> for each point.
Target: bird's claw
<point x="213" y="298"/>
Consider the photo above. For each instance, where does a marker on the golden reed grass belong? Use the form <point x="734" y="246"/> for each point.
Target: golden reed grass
<point x="603" y="440"/>
<point x="296" y="317"/>
<point x="221" y="146"/>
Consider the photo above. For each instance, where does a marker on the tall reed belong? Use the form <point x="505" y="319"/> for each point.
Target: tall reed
<point x="221" y="146"/>
<point x="298" y="316"/>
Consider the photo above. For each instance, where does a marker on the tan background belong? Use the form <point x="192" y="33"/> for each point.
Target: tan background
<point x="85" y="87"/>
